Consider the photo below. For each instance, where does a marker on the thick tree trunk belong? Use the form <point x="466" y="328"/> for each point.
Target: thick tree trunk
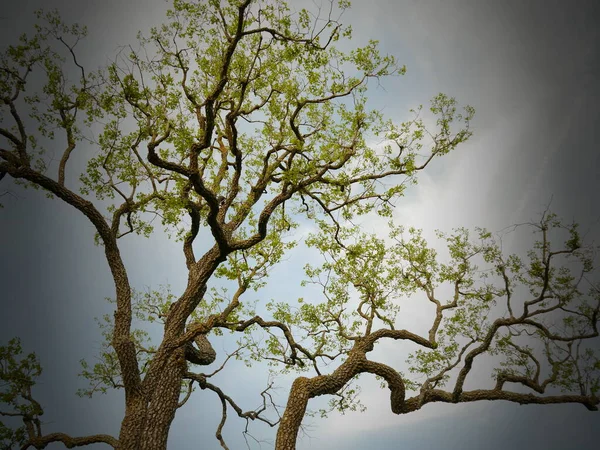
<point x="132" y="424"/>
<point x="287" y="433"/>
<point x="303" y="389"/>
<point x="148" y="421"/>
<point x="163" y="403"/>
<point x="148" y="417"/>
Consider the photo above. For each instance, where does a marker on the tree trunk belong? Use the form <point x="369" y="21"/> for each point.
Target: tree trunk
<point x="147" y="422"/>
<point x="132" y="424"/>
<point x="148" y="417"/>
<point x="303" y="389"/>
<point x="163" y="403"/>
<point x="287" y="433"/>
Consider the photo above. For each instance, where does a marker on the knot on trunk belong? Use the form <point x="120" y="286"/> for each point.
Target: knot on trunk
<point x="202" y="353"/>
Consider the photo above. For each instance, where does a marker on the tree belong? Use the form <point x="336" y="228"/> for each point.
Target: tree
<point x="233" y="123"/>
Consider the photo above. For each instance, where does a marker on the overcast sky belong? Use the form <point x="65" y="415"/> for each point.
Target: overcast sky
<point x="530" y="69"/>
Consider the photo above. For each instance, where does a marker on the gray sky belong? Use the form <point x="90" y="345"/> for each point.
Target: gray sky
<point x="530" y="69"/>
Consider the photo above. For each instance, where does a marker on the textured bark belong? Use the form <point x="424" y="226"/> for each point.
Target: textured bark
<point x="132" y="423"/>
<point x="149" y="417"/>
<point x="303" y="389"/>
<point x="70" y="442"/>
<point x="162" y="385"/>
<point x="287" y="433"/>
<point x="150" y="405"/>
<point x="203" y="354"/>
<point x="163" y="403"/>
<point x="131" y="426"/>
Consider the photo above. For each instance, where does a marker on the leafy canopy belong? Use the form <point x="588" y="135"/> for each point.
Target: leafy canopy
<point x="235" y="124"/>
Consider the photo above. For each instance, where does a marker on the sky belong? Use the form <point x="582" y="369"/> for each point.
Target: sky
<point x="529" y="68"/>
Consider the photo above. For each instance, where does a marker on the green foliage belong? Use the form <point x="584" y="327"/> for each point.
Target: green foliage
<point x="365" y="279"/>
<point x="272" y="81"/>
<point x="250" y="267"/>
<point x="234" y="124"/>
<point x="17" y="375"/>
